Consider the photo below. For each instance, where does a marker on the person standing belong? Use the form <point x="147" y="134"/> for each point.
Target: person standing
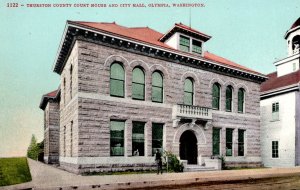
<point x="158" y="161"/>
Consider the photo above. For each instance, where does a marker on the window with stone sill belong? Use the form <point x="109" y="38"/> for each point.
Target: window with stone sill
<point x="138" y="139"/>
<point x="241" y="100"/>
<point x="229" y="144"/>
<point x="216" y="141"/>
<point x="117" y="80"/>
<point x="229" y="98"/>
<point x="117" y="137"/>
<point x="216" y="96"/>
<point x="188" y="96"/>
<point x="157" y="87"/>
<point x="138" y="84"/>
<point x="157" y="137"/>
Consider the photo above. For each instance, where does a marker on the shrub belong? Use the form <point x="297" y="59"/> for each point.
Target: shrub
<point x="173" y="163"/>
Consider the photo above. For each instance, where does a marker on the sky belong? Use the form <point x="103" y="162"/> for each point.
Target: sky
<point x="248" y="32"/>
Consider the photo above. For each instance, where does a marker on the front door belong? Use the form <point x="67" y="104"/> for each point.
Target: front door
<point x="188" y="147"/>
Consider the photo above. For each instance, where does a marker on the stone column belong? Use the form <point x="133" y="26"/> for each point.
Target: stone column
<point x="128" y="138"/>
<point x="148" y="139"/>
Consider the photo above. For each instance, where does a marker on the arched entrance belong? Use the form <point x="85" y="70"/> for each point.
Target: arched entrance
<point x="188" y="147"/>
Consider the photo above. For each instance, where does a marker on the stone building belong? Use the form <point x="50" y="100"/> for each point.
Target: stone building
<point x="280" y="107"/>
<point x="125" y="92"/>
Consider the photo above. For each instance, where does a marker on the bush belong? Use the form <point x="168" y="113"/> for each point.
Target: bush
<point x="174" y="164"/>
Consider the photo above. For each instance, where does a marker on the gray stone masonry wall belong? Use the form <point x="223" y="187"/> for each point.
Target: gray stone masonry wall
<point x="51" y="134"/>
<point x="92" y="107"/>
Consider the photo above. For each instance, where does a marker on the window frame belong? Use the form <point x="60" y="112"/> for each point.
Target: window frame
<point x="181" y="44"/>
<point x="122" y="139"/>
<point x="138" y="83"/>
<point x="241" y="144"/>
<point x="135" y="140"/>
<point x="116" y="79"/>
<point x="228" y="99"/>
<point x="158" y="87"/>
<point x="243" y="100"/>
<point x="229" y="142"/>
<point x="200" y="47"/>
<point x="275" y="111"/>
<point x="216" y="142"/>
<point x="191" y="93"/>
<point x="275" y="149"/>
<point x="216" y="98"/>
<point x="157" y="125"/>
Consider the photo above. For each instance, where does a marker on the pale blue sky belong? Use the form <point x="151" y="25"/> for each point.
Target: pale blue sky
<point x="247" y="32"/>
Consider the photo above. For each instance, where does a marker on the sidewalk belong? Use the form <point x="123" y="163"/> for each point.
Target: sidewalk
<point x="48" y="177"/>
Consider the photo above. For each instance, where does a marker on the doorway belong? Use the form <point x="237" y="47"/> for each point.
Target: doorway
<point x="188" y="147"/>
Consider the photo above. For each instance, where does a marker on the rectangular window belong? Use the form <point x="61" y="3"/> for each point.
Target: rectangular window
<point x="184" y="43"/>
<point x="275" y="149"/>
<point x="229" y="142"/>
<point x="216" y="141"/>
<point x="241" y="142"/>
<point x="138" y="139"/>
<point x="117" y="138"/>
<point x="157" y="137"/>
<point x="275" y="111"/>
<point x="197" y="47"/>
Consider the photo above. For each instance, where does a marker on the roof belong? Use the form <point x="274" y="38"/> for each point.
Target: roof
<point x="49" y="96"/>
<point x="187" y="30"/>
<point x="152" y="37"/>
<point x="296" y="23"/>
<point x="275" y="82"/>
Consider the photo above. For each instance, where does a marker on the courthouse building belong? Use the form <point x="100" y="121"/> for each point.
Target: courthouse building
<point x="125" y="92"/>
<point x="280" y="107"/>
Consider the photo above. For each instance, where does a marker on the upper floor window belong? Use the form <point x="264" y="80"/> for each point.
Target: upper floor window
<point x="188" y="92"/>
<point x="138" y="84"/>
<point x="196" y="47"/>
<point x="157" y="87"/>
<point x="64" y="88"/>
<point x="184" y="43"/>
<point x="229" y="98"/>
<point x="117" y="80"/>
<point x="216" y="96"/>
<point x="275" y="111"/>
<point x="241" y="100"/>
<point x="71" y="80"/>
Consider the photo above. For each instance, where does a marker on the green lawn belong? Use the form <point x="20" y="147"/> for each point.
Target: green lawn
<point x="14" y="171"/>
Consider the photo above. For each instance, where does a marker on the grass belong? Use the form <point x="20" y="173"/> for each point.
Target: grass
<point x="14" y="171"/>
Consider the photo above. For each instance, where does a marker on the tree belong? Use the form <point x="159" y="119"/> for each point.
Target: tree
<point x="33" y="149"/>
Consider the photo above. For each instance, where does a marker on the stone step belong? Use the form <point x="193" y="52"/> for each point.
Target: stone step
<point x="198" y="168"/>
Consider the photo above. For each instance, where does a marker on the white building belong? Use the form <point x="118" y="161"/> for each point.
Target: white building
<point x="280" y="107"/>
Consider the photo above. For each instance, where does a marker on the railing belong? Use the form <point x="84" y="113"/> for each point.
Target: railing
<point x="188" y="111"/>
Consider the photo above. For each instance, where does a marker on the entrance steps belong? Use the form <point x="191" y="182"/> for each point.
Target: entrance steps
<point x="197" y="168"/>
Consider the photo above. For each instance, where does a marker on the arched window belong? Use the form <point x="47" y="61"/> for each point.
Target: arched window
<point x="216" y="96"/>
<point x="138" y="84"/>
<point x="117" y="80"/>
<point x="229" y="98"/>
<point x="241" y="100"/>
<point x="157" y="87"/>
<point x="188" y="92"/>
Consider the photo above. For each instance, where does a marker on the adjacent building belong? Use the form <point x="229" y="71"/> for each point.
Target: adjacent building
<point x="125" y="92"/>
<point x="280" y="107"/>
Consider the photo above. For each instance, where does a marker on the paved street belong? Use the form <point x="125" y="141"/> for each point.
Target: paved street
<point x="48" y="177"/>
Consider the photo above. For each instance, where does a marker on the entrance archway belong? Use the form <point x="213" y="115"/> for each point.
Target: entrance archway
<point x="188" y="147"/>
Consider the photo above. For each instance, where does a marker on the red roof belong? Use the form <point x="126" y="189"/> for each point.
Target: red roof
<point x="46" y="97"/>
<point x="51" y="94"/>
<point x="275" y="82"/>
<point x="150" y="36"/>
<point x="296" y="23"/>
<point x="191" y="29"/>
